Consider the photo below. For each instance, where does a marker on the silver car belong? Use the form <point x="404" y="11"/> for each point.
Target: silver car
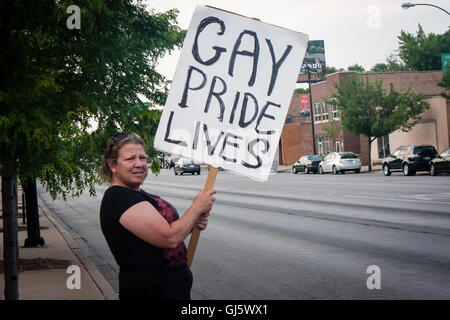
<point x="340" y="162"/>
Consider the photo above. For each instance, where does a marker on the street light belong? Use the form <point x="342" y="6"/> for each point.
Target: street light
<point x="408" y="5"/>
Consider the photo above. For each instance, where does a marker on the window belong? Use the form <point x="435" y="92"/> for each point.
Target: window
<point x="319" y="145"/>
<point x="397" y="152"/>
<point x="402" y="150"/>
<point x="337" y="146"/>
<point x="349" y="155"/>
<point x="327" y="144"/>
<point x="334" y="112"/>
<point x="425" y="150"/>
<point x="383" y="147"/>
<point x="324" y="111"/>
<point x="317" y="114"/>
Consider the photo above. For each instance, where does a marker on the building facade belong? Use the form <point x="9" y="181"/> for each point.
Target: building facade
<point x="433" y="128"/>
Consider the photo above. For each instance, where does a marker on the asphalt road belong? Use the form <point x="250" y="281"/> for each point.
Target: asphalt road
<point x="300" y="236"/>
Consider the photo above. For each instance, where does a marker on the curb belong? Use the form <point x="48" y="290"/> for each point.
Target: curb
<point x="96" y="276"/>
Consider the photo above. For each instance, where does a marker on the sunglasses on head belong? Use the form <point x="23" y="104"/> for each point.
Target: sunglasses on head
<point x="120" y="136"/>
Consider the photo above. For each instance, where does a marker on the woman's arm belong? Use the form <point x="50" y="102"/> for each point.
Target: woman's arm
<point x="145" y="222"/>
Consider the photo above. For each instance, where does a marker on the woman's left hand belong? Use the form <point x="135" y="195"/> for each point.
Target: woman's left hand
<point x="202" y="222"/>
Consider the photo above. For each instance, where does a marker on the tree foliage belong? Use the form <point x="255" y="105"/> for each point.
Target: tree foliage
<point x="330" y="69"/>
<point x="391" y="64"/>
<point x="366" y="108"/>
<point x="301" y="91"/>
<point x="64" y="92"/>
<point x="423" y="51"/>
<point x="356" y="68"/>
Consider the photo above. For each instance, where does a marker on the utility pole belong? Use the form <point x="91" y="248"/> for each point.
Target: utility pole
<point x="311" y="111"/>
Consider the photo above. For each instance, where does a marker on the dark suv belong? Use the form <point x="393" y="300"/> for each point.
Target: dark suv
<point x="409" y="159"/>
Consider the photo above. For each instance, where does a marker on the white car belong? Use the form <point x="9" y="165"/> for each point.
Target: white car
<point x="340" y="162"/>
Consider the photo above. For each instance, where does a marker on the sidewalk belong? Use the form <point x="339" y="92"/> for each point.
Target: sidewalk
<point x="52" y="284"/>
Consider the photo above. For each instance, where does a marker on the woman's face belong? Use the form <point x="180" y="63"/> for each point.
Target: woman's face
<point x="130" y="168"/>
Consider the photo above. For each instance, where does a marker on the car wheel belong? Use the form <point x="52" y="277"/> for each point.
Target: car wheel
<point x="175" y="171"/>
<point x="406" y="170"/>
<point x="433" y="170"/>
<point x="386" y="170"/>
<point x="335" y="170"/>
<point x="198" y="172"/>
<point x="320" y="170"/>
<point x="294" y="171"/>
<point x="357" y="171"/>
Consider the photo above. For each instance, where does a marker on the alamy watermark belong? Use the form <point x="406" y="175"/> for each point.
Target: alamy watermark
<point x="74" y="20"/>
<point x="374" y="280"/>
<point x="74" y="280"/>
<point x="373" y="21"/>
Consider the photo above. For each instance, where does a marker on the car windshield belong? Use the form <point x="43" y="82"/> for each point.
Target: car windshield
<point x="425" y="150"/>
<point x="349" y="156"/>
<point x="315" y="158"/>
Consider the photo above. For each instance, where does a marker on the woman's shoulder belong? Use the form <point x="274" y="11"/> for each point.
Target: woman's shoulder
<point x="119" y="192"/>
<point x="149" y="195"/>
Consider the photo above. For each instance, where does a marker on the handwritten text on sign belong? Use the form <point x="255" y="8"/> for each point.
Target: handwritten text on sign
<point x="231" y="92"/>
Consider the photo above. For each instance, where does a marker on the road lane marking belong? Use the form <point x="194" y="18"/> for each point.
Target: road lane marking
<point x="396" y="199"/>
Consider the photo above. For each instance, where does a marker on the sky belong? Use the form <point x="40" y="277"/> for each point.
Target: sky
<point x="355" y="31"/>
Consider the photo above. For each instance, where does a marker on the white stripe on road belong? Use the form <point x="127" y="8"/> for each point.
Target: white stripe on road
<point x="396" y="199"/>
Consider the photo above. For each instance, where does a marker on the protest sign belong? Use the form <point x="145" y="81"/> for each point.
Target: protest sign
<point x="231" y="92"/>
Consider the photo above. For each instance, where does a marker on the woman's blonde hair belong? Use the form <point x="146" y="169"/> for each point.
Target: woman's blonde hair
<point x="112" y="151"/>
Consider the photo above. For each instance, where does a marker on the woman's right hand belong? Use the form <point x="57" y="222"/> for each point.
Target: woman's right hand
<point x="204" y="201"/>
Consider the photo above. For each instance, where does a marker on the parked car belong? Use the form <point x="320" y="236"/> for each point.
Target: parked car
<point x="409" y="159"/>
<point x="307" y="164"/>
<point x="340" y="162"/>
<point x="440" y="163"/>
<point x="186" y="165"/>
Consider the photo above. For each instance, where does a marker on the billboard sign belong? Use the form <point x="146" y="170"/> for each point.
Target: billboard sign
<point x="314" y="57"/>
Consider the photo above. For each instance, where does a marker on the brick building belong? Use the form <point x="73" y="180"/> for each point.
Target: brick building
<point x="433" y="128"/>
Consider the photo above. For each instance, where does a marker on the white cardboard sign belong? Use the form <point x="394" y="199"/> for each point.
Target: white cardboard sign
<point x="231" y="91"/>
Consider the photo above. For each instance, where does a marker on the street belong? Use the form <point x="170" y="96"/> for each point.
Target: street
<point x="299" y="236"/>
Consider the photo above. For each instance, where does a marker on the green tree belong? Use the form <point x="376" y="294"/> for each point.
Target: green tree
<point x="330" y="69"/>
<point x="64" y="91"/>
<point x="356" y="68"/>
<point x="301" y="90"/>
<point x="380" y="67"/>
<point x="423" y="51"/>
<point x="367" y="109"/>
<point x="394" y="64"/>
<point x="332" y="128"/>
<point x="391" y="64"/>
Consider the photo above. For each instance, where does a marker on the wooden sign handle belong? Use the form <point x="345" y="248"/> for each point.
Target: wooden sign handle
<point x="196" y="232"/>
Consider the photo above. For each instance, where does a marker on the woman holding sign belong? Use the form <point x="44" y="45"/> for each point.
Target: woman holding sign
<point x="143" y="231"/>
